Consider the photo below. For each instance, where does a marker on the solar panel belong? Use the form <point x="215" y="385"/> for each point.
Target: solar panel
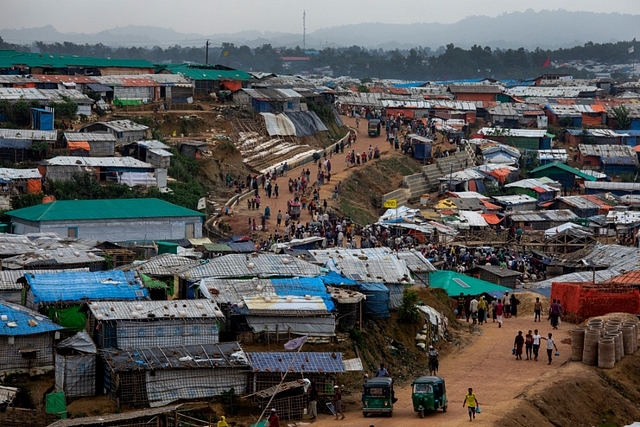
<point x="461" y="283"/>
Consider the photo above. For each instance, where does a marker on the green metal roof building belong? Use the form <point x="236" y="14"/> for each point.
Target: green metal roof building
<point x="564" y="174"/>
<point x="113" y="220"/>
<point x="38" y="63"/>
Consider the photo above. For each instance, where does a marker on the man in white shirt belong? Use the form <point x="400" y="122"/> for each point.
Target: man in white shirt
<point x="551" y="345"/>
<point x="473" y="307"/>
<point x="536" y="344"/>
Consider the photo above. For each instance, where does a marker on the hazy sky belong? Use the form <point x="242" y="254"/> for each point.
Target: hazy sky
<point x="225" y="16"/>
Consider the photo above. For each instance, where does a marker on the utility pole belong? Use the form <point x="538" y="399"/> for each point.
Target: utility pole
<point x="206" y="53"/>
<point x="304" y="30"/>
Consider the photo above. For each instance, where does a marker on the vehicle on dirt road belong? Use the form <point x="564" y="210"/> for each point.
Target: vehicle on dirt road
<point x="378" y="396"/>
<point x="374" y="128"/>
<point x="428" y="394"/>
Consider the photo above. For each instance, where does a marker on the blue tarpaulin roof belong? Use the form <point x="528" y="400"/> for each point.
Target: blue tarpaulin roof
<point x="77" y="286"/>
<point x="304" y="362"/>
<point x="20" y="316"/>
<point x="301" y="286"/>
<point x="242" y="247"/>
<point x="333" y="278"/>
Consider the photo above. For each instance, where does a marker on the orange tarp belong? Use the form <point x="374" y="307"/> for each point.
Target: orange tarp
<point x="78" y="145"/>
<point x="34" y="186"/>
<point x="501" y="174"/>
<point x="492" y="219"/>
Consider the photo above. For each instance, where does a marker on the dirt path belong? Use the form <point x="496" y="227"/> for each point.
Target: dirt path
<point x="486" y="365"/>
<point x="339" y="171"/>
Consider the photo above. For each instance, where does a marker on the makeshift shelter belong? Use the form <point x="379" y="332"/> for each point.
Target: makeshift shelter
<point x="26" y="338"/>
<point x="91" y="144"/>
<point x="377" y="299"/>
<point x="320" y="368"/>
<point x="455" y="283"/>
<point x="142" y="324"/>
<point x="349" y="307"/>
<point x="20" y="181"/>
<point x="498" y="275"/>
<point x="62" y="295"/>
<point x="287" y="398"/>
<point x="298" y="306"/>
<point x="76" y="366"/>
<point x="158" y="376"/>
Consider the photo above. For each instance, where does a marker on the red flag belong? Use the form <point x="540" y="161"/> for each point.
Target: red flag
<point x="547" y="63"/>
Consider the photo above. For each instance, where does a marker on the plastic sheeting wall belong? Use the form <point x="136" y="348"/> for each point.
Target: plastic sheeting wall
<point x="313" y="326"/>
<point x="306" y="123"/>
<point x="377" y="302"/>
<point x="76" y="375"/>
<point x="11" y="358"/>
<point x="278" y="125"/>
<point x="172" y="333"/>
<point x="119" y="230"/>
<point x="395" y="295"/>
<point x="166" y="386"/>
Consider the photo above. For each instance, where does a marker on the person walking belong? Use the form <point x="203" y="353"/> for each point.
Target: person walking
<point x="537" y="310"/>
<point x="498" y="312"/>
<point x="471" y="402"/>
<point x="460" y="306"/>
<point x="551" y="345"/>
<point x="494" y="303"/>
<point x="313" y="401"/>
<point x="337" y="401"/>
<point x="279" y="218"/>
<point x="517" y="344"/>
<point x="482" y="310"/>
<point x="528" y="344"/>
<point x="554" y="314"/>
<point x="473" y="306"/>
<point x="536" y="344"/>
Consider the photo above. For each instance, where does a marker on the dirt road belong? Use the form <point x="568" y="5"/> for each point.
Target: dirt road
<point x="339" y="171"/>
<point x="486" y="365"/>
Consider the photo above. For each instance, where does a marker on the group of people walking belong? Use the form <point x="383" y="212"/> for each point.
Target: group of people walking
<point x="531" y="344"/>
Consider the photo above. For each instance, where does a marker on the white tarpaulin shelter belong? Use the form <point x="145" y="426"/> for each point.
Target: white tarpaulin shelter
<point x="279" y="124"/>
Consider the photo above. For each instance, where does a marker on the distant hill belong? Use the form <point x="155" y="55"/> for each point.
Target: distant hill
<point x="529" y="29"/>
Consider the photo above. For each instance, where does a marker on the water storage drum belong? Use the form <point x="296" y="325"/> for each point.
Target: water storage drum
<point x="627" y="338"/>
<point x="617" y="335"/>
<point x="577" y="343"/>
<point x="606" y="353"/>
<point x="634" y="325"/>
<point x="590" y="347"/>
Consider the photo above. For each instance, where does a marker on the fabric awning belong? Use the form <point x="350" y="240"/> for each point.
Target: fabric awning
<point x="492" y="219"/>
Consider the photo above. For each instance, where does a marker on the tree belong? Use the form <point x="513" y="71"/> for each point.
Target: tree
<point x="621" y="114"/>
<point x="408" y="311"/>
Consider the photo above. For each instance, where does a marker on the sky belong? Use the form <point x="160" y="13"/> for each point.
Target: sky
<point x="223" y="16"/>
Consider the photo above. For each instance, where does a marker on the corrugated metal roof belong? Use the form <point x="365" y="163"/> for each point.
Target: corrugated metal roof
<point x="17" y="320"/>
<point x="516" y="199"/>
<point x="531" y="183"/>
<point x="160" y="152"/>
<point x="10" y="59"/>
<point x="61" y="256"/>
<point x="254" y="265"/>
<point x="195" y="73"/>
<point x="126" y="81"/>
<point x="44" y="95"/>
<point x="583" y="202"/>
<point x="483" y="88"/>
<point x="416" y="262"/>
<point x="205" y="356"/>
<point x="309" y="362"/>
<point x="112" y="418"/>
<point x="154" y="144"/>
<point x="499" y="271"/>
<point x="179" y="309"/>
<point x="548" y="215"/>
<point x="549" y="92"/>
<point x="114" y="162"/>
<point x="365" y="265"/>
<point x="162" y="265"/>
<point x="89" y="136"/>
<point x="106" y="209"/>
<point x="63" y="78"/>
<point x="522" y="133"/>
<point x="120" y="125"/>
<point x="73" y="287"/>
<point x="610" y="186"/>
<point x="7" y="174"/>
<point x="607" y="150"/>
<point x="29" y="134"/>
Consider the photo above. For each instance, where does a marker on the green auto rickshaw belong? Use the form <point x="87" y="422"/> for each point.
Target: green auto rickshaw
<point x="378" y="396"/>
<point x="428" y="395"/>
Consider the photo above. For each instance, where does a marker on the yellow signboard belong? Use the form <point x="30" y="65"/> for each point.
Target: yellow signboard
<point x="391" y="204"/>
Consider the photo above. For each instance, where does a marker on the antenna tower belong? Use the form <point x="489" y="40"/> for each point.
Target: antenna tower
<point x="304" y="30"/>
